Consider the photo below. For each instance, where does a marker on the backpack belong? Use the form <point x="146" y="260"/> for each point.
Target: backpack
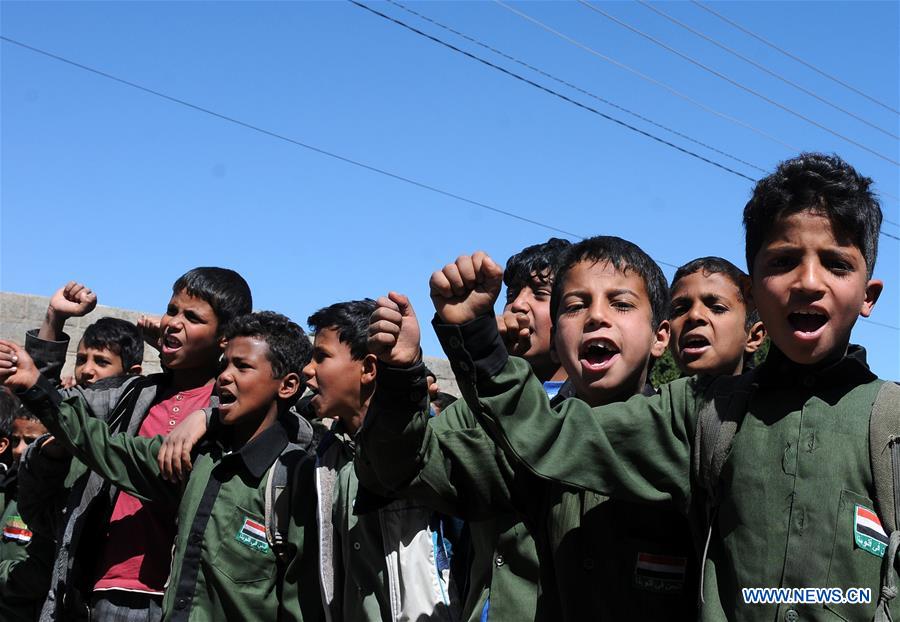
<point x="720" y="416"/>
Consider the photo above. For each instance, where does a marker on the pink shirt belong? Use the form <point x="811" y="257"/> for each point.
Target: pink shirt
<point x="137" y="550"/>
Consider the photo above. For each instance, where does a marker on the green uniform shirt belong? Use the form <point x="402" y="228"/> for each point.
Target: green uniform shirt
<point x="791" y="488"/>
<point x="600" y="559"/>
<point x="222" y="567"/>
<point x="24" y="567"/>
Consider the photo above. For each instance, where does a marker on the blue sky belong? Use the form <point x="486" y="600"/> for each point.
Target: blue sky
<point x="125" y="191"/>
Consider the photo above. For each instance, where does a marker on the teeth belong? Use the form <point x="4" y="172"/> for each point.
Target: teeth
<point x="811" y="312"/>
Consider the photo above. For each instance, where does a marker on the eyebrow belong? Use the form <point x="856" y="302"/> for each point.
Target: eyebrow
<point x="622" y="291"/>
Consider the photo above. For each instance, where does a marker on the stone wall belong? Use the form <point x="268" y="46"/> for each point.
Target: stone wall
<point x="21" y="312"/>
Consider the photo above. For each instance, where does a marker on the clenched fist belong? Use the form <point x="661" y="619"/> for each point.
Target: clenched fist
<point x="467" y="288"/>
<point x="73" y="300"/>
<point x="394" y="331"/>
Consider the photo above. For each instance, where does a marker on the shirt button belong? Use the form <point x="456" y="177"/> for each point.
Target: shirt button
<point x="587" y="563"/>
<point x="791" y="616"/>
<point x="179" y="397"/>
<point x="196" y="538"/>
<point x="455" y="342"/>
<point x="499" y="561"/>
<point x="172" y="422"/>
<point x="356" y="546"/>
<point x="175" y="409"/>
<point x="464" y="366"/>
<point x="181" y="603"/>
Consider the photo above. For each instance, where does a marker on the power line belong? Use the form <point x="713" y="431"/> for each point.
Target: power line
<point x="766" y="69"/>
<point x="573" y="86"/>
<point x="550" y="91"/>
<point x="318" y="150"/>
<point x="794" y="57"/>
<point x="645" y="77"/>
<point x="736" y="83"/>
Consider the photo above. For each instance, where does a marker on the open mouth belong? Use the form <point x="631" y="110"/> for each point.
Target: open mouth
<point x="226" y="399"/>
<point x="170" y="343"/>
<point x="598" y="355"/>
<point x="807" y="323"/>
<point x="694" y="344"/>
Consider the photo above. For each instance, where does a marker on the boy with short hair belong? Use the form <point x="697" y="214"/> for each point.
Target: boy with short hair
<point x="224" y="567"/>
<point x="109" y="347"/>
<point x="119" y="565"/>
<point x="793" y="504"/>
<point x="381" y="559"/>
<point x="715" y="327"/>
<point x="503" y="572"/>
<point x="608" y="304"/>
<point x="24" y="557"/>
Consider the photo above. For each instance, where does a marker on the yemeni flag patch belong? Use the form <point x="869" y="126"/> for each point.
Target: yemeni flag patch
<point x="253" y="534"/>
<point x="868" y="533"/>
<point x="15" y="529"/>
<point x="660" y="573"/>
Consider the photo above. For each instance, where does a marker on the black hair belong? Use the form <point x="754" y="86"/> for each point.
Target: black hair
<point x="224" y="290"/>
<point x="118" y="336"/>
<point x="818" y="182"/>
<point x="289" y="348"/>
<point x="442" y="400"/>
<point x="623" y="255"/>
<point x="718" y="265"/>
<point x="9" y="404"/>
<point x="11" y="408"/>
<point x="351" y="321"/>
<point x="539" y="260"/>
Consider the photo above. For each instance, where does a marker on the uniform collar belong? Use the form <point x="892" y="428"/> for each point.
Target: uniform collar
<point x="851" y="369"/>
<point x="260" y="453"/>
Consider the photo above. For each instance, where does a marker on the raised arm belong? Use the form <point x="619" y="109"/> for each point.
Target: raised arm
<point x="638" y="450"/>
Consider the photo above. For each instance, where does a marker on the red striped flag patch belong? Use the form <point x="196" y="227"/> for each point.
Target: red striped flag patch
<point x="868" y="534"/>
<point x="253" y="534"/>
<point x="660" y="573"/>
<point x="15" y="529"/>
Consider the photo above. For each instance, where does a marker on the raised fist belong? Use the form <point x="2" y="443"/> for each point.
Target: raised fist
<point x="515" y="329"/>
<point x="17" y="371"/>
<point x="151" y="330"/>
<point x="73" y="300"/>
<point x="394" y="331"/>
<point x="467" y="288"/>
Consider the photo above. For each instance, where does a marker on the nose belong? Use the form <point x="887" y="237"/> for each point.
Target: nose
<point x="598" y="314"/>
<point x="309" y="371"/>
<point x="809" y="279"/>
<point x="19" y="449"/>
<point x="520" y="303"/>
<point x="696" y="314"/>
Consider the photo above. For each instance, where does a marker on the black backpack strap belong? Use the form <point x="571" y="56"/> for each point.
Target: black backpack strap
<point x="884" y="457"/>
<point x="725" y="403"/>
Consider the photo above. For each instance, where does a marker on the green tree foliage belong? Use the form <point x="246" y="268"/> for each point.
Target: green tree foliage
<point x="664" y="370"/>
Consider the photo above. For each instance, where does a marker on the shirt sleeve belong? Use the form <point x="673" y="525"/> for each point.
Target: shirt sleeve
<point x="48" y="356"/>
<point x="446" y="462"/>
<point x="129" y="462"/>
<point x="638" y="450"/>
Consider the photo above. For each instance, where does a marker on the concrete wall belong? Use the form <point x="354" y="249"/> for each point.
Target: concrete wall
<point x="21" y="312"/>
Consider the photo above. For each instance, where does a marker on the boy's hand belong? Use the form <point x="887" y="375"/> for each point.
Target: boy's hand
<point x="394" y="331"/>
<point x="67" y="382"/>
<point x="466" y="289"/>
<point x="515" y="331"/>
<point x="53" y="450"/>
<point x="150" y="329"/>
<point x="73" y="300"/>
<point x="17" y="371"/>
<point x="174" y="457"/>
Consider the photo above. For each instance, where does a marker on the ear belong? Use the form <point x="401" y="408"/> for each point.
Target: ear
<point x="290" y="384"/>
<point x="755" y="337"/>
<point x="660" y="339"/>
<point x="134" y="370"/>
<point x="223" y="342"/>
<point x="873" y="291"/>
<point x="4" y="444"/>
<point x="369" y="368"/>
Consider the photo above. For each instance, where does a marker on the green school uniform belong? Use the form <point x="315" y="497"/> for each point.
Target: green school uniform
<point x="793" y="489"/>
<point x="24" y="563"/>
<point x="600" y="559"/>
<point x="222" y="567"/>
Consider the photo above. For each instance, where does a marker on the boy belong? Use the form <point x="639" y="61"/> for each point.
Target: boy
<point x="109" y="347"/>
<point x="114" y="550"/>
<point x="797" y="482"/>
<point x="380" y="559"/>
<point x="24" y="557"/>
<point x="503" y="574"/>
<point x="223" y="566"/>
<point x="599" y="558"/>
<point x="715" y="327"/>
